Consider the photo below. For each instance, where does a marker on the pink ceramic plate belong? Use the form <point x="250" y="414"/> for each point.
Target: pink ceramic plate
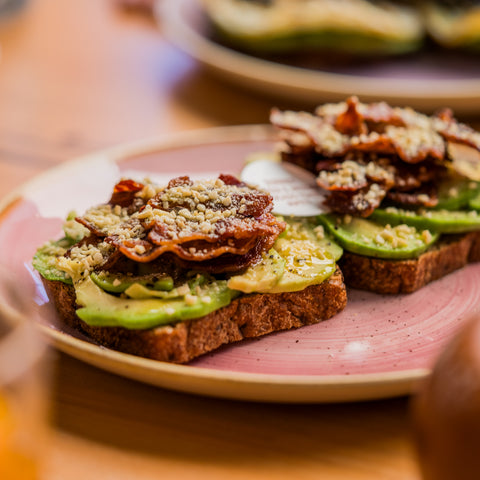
<point x="379" y="346"/>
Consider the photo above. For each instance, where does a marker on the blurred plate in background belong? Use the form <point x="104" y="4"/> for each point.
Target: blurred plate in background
<point x="425" y="81"/>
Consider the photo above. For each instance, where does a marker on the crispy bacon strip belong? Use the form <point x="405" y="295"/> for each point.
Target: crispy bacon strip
<point x="351" y="128"/>
<point x="411" y="177"/>
<point x="91" y="226"/>
<point x="404" y="140"/>
<point x="460" y="133"/>
<point x="360" y="203"/>
<point x="193" y="251"/>
<point x="351" y="122"/>
<point x="376" y="115"/>
<point x="220" y="227"/>
<point x="231" y="263"/>
<point x="124" y="192"/>
<point x="426" y="197"/>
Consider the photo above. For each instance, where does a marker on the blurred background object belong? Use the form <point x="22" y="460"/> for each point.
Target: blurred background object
<point x="145" y="5"/>
<point x="357" y="27"/>
<point x="23" y="377"/>
<point x="314" y="51"/>
<point x="9" y="7"/>
<point x="446" y="411"/>
<point x="454" y="24"/>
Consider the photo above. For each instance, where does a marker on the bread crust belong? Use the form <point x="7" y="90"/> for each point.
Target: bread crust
<point x="474" y="254"/>
<point x="406" y="276"/>
<point x="248" y="316"/>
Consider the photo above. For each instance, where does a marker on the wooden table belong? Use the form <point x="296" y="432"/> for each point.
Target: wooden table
<point x="76" y="76"/>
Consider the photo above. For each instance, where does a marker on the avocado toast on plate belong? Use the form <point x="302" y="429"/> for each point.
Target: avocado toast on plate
<point x="172" y="272"/>
<point x="402" y="192"/>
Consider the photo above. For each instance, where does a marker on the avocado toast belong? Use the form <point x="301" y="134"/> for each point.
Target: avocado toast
<point x="358" y="27"/>
<point x="402" y="190"/>
<point x="173" y="272"/>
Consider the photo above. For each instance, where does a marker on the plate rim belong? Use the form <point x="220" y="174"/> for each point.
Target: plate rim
<point x="304" y="82"/>
<point x="276" y="388"/>
<point x="260" y="387"/>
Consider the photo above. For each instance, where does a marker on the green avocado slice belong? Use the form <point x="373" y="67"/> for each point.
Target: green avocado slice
<point x="261" y="277"/>
<point x="474" y="202"/>
<point x="456" y="193"/>
<point x="306" y="263"/>
<point x="365" y="237"/>
<point x="351" y="42"/>
<point x="441" y="221"/>
<point x="45" y="257"/>
<point x="308" y="228"/>
<point x="302" y="256"/>
<point x="116" y="283"/>
<point x="99" y="308"/>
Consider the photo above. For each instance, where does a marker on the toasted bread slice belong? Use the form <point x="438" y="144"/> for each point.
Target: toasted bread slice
<point x="248" y="316"/>
<point x="474" y="254"/>
<point x="406" y="276"/>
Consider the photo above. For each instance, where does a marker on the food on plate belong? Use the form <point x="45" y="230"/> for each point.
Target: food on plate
<point x="173" y="272"/>
<point x="402" y="188"/>
<point x="353" y="26"/>
<point x="454" y="23"/>
<point x="446" y="410"/>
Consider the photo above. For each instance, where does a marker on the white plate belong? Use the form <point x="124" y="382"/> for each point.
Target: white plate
<point x="378" y="347"/>
<point x="426" y="81"/>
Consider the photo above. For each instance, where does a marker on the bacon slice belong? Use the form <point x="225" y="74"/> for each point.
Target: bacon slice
<point x="413" y="144"/>
<point x="424" y="197"/>
<point x="350" y="176"/>
<point x="411" y="177"/>
<point x="217" y="226"/>
<point x="360" y="203"/>
<point x="376" y="115"/>
<point x="415" y="148"/>
<point x="124" y="192"/>
<point x="351" y="121"/>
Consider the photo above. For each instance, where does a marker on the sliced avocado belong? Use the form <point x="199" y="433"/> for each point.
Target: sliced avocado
<point x="474" y="202"/>
<point x="456" y="192"/>
<point x="366" y="237"/>
<point x="100" y="308"/>
<point x="351" y="41"/>
<point x="306" y="263"/>
<point x="116" y="283"/>
<point x="302" y="255"/>
<point x="45" y="257"/>
<point x="309" y="229"/>
<point x="441" y="221"/>
<point x="194" y="286"/>
<point x="261" y="277"/>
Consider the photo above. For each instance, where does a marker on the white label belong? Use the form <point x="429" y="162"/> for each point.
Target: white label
<point x="294" y="190"/>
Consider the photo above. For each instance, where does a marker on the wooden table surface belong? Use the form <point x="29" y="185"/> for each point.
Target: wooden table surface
<point x="76" y="76"/>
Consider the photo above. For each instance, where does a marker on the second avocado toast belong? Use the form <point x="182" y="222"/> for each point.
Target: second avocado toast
<point x="402" y="189"/>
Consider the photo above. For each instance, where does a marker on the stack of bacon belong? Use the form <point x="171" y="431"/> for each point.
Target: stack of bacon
<point x="234" y="241"/>
<point x="365" y="153"/>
